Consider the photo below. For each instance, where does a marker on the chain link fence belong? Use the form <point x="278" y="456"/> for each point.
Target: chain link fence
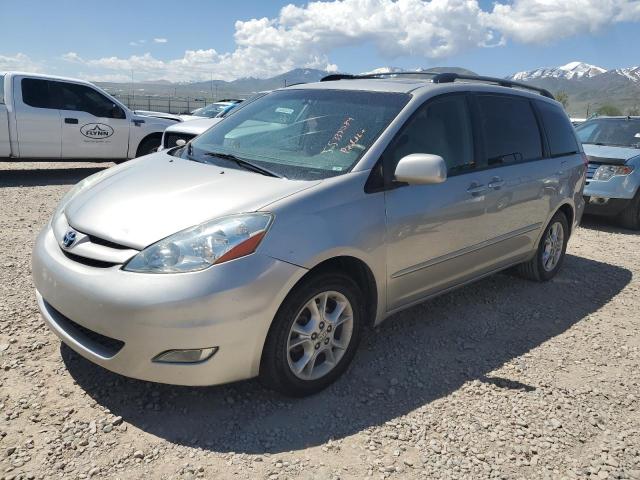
<point x="177" y="105"/>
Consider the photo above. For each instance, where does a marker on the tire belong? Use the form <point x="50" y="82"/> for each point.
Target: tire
<point x="148" y="145"/>
<point x="630" y="216"/>
<point x="280" y="355"/>
<point x="535" y="268"/>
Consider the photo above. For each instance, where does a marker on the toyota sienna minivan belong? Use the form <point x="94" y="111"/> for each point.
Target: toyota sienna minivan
<point x="265" y="246"/>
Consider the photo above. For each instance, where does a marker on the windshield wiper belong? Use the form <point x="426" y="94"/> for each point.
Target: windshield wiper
<point x="243" y="163"/>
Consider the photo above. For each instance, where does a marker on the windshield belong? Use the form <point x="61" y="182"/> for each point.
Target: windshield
<point x="619" y="132"/>
<point x="303" y="134"/>
<point x="213" y="110"/>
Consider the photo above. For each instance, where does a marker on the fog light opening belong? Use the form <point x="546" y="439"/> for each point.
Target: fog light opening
<point x="191" y="355"/>
<point x="598" y="200"/>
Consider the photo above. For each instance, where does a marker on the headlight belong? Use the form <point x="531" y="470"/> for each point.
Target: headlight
<point x="199" y="247"/>
<point x="87" y="182"/>
<point x="605" y="172"/>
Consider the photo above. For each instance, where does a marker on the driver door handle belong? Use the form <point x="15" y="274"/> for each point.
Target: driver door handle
<point x="72" y="121"/>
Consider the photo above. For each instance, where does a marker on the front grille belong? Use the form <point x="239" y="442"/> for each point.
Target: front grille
<point x="107" y="243"/>
<point x="591" y="169"/>
<point x="89" y="262"/>
<point x="170" y="138"/>
<point x="100" y="344"/>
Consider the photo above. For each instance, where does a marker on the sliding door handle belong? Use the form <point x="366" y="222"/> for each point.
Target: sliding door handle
<point x="496" y="183"/>
<point x="72" y="121"/>
<point x="476" y="189"/>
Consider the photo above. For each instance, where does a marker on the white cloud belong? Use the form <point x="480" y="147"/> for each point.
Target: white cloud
<point x="545" y="21"/>
<point x="72" y="57"/>
<point x="19" y="61"/>
<point x="307" y="36"/>
<point x="137" y="43"/>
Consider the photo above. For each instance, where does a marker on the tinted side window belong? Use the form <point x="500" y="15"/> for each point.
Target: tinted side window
<point x="71" y="96"/>
<point x="509" y="128"/>
<point x="35" y="93"/>
<point x="560" y="133"/>
<point x="441" y="127"/>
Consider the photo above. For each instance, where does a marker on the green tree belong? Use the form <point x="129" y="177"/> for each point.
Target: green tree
<point x="609" y="110"/>
<point x="563" y="98"/>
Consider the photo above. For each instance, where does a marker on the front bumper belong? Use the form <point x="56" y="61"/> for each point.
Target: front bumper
<point x="603" y="206"/>
<point x="612" y="196"/>
<point x="122" y="320"/>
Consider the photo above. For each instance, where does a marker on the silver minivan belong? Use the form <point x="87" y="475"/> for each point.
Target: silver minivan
<point x="266" y="245"/>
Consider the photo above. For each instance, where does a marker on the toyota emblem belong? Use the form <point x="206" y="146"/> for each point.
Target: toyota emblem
<point x="69" y="239"/>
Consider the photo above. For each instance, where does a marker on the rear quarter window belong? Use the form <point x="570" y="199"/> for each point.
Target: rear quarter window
<point x="35" y="93"/>
<point x="560" y="133"/>
<point x="509" y="129"/>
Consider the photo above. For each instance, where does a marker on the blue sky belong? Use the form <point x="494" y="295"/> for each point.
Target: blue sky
<point x="107" y="40"/>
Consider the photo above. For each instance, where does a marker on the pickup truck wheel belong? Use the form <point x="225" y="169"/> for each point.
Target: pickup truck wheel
<point x="148" y="145"/>
<point x="630" y="216"/>
<point x="550" y="254"/>
<point x="314" y="335"/>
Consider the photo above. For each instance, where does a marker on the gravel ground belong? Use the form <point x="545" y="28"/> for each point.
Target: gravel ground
<point x="501" y="379"/>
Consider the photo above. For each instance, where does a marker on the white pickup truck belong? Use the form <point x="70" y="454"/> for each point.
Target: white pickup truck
<point x="47" y="118"/>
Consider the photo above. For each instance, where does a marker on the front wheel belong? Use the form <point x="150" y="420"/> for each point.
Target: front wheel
<point x="630" y="216"/>
<point x="314" y="335"/>
<point x="147" y="146"/>
<point x="550" y="254"/>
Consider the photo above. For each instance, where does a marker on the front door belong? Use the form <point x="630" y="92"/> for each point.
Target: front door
<point x="93" y="126"/>
<point x="435" y="232"/>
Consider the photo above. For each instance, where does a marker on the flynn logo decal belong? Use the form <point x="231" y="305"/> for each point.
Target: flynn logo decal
<point x="96" y="131"/>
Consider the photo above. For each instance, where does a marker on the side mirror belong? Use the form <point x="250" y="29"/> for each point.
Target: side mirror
<point x="421" y="169"/>
<point x="181" y="142"/>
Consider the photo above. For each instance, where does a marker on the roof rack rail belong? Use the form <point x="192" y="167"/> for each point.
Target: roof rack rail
<point x="444" y="77"/>
<point x="338" y="76"/>
<point x="347" y="76"/>
<point x="449" y="77"/>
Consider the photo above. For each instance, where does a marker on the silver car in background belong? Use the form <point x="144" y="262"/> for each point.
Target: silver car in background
<point x="266" y="245"/>
<point x="612" y="145"/>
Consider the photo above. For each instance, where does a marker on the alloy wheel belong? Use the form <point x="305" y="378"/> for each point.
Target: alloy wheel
<point x="320" y="335"/>
<point x="553" y="246"/>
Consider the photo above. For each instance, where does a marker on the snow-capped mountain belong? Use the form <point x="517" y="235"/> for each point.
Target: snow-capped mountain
<point x="631" y="73"/>
<point x="570" y="71"/>
<point x="588" y="86"/>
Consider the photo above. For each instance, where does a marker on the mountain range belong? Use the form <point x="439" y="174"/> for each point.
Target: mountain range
<point x="588" y="87"/>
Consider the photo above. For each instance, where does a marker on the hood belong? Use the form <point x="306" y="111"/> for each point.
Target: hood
<point x="160" y="195"/>
<point x="610" y="155"/>
<point x="166" y="116"/>
<point x="194" y="127"/>
<point x="187" y="118"/>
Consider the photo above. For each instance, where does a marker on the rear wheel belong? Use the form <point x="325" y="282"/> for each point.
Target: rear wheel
<point x="551" y="251"/>
<point x="630" y="216"/>
<point x="314" y="335"/>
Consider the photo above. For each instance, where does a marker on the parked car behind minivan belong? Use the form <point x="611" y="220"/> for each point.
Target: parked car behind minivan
<point x="266" y="245"/>
<point x="612" y="145"/>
